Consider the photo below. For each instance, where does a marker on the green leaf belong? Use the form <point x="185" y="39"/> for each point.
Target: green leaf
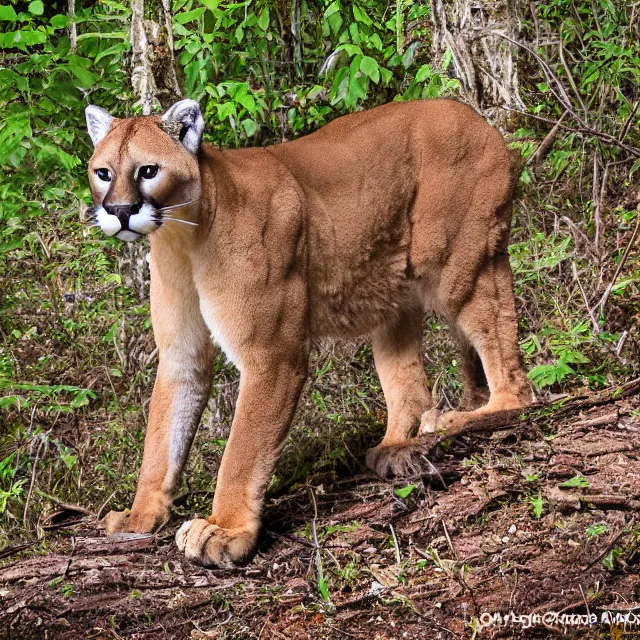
<point x="610" y="560"/>
<point x="405" y="492"/>
<point x="114" y="49"/>
<point x="113" y="35"/>
<point x="69" y="459"/>
<point x="7" y="13"/>
<point x="357" y="83"/>
<point x="36" y="8"/>
<point x="59" y="21"/>
<point x="250" y="127"/>
<point x="375" y="41"/>
<point x="386" y="75"/>
<point x="577" y="481"/>
<point x="424" y="72"/>
<point x="226" y="109"/>
<point x="263" y="19"/>
<point x="333" y="17"/>
<point x="545" y="375"/>
<point x="361" y="16"/>
<point x="29" y="37"/>
<point x="596" y="529"/>
<point x="212" y="5"/>
<point x="573" y="357"/>
<point x="322" y="588"/>
<point x="620" y="286"/>
<point x="85" y="78"/>
<point x="11" y="245"/>
<point x="537" y="505"/>
<point x="351" y="49"/>
<point x="446" y="58"/>
<point x="334" y="7"/>
<point x="189" y="16"/>
<point x="369" y="67"/>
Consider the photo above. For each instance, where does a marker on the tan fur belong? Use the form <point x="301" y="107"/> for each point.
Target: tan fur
<point x="354" y="230"/>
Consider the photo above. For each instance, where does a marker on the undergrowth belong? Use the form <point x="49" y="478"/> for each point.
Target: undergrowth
<point x="77" y="357"/>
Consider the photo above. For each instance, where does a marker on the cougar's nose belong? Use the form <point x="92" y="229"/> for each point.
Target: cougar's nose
<point x="123" y="212"/>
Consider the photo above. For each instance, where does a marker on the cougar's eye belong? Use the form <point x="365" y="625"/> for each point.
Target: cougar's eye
<point x="104" y="174"/>
<point x="148" y="171"/>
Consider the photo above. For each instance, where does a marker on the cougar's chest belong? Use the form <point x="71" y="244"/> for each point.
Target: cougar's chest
<point x="221" y="326"/>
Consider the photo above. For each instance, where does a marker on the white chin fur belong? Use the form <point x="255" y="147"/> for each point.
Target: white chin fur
<point x="143" y="222"/>
<point x="140" y="224"/>
<point x="128" y="236"/>
<point x="109" y="224"/>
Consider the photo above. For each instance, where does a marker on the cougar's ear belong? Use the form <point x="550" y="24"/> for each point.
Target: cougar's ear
<point x="185" y="123"/>
<point x="98" y="122"/>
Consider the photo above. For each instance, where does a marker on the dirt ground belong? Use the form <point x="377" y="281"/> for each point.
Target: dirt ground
<point x="487" y="529"/>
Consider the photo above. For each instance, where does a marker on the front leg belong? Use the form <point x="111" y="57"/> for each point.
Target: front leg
<point x="180" y="393"/>
<point x="269" y="392"/>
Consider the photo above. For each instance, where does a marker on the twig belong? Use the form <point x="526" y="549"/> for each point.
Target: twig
<point x="451" y="547"/>
<point x="605" y="137"/>
<point x="623" y="339"/>
<point x="586" y="603"/>
<point x="605" y="296"/>
<point x="360" y="599"/>
<point x="105" y="503"/>
<point x="542" y="151"/>
<point x="31" y="485"/>
<point x="572" y="81"/>
<point x="395" y="544"/>
<point x="349" y="635"/>
<point x="594" y="319"/>
<point x="435" y="471"/>
<point x="73" y="550"/>
<point x="597" y="204"/>
<point x="10" y="551"/>
<point x="106" y="368"/>
<point x="629" y="120"/>
<point x="515" y="586"/>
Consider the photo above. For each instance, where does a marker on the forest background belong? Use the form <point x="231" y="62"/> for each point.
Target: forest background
<point x="561" y="79"/>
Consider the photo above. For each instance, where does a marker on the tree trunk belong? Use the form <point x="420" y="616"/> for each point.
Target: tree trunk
<point x="142" y="79"/>
<point x="483" y="60"/>
<point x="154" y="77"/>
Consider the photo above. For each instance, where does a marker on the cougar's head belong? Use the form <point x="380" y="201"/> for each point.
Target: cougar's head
<point x="144" y="171"/>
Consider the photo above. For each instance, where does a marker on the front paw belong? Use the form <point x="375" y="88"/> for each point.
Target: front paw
<point x="128" y="521"/>
<point x="212" y="546"/>
<point x="403" y="460"/>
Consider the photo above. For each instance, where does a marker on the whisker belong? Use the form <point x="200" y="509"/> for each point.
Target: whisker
<point x="177" y="206"/>
<point x="167" y="219"/>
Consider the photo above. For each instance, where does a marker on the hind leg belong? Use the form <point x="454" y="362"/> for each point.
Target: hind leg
<point x="488" y="323"/>
<point x="397" y="350"/>
<point x="475" y="390"/>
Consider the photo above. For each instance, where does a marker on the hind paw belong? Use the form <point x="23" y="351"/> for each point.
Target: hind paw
<point x="430" y="422"/>
<point x="442" y="422"/>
